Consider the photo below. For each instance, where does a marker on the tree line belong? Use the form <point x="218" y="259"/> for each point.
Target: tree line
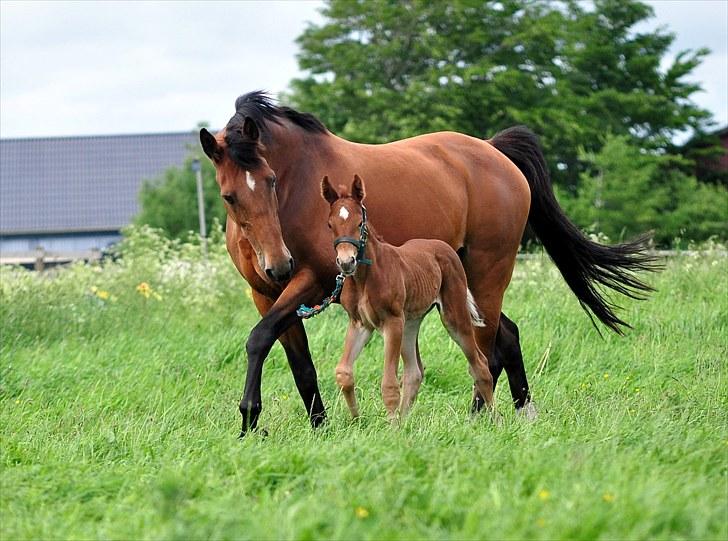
<point x="598" y="90"/>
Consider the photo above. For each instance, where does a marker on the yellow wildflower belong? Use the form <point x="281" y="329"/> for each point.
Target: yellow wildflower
<point x="103" y="294"/>
<point x="608" y="497"/>
<point x="543" y="494"/>
<point x="144" y="289"/>
<point x="361" y="512"/>
<point x="606" y="375"/>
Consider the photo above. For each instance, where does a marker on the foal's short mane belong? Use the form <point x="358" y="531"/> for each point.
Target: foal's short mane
<point x="260" y="107"/>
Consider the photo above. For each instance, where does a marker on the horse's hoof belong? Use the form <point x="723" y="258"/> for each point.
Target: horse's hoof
<point x="318" y="420"/>
<point x="528" y="411"/>
<point x="260" y="432"/>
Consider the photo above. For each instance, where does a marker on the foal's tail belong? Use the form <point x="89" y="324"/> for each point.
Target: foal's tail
<point x="583" y="263"/>
<point x="475" y="317"/>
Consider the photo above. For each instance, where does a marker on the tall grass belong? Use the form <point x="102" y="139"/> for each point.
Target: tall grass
<point x="119" y="386"/>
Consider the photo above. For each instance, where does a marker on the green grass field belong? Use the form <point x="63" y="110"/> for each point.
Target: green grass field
<point x="118" y="406"/>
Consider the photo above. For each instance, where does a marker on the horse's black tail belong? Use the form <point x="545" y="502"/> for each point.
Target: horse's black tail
<point x="584" y="264"/>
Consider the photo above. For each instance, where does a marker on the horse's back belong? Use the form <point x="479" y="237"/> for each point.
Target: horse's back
<point x="445" y="185"/>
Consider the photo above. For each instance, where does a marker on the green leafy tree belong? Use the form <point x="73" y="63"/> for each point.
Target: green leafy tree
<point x="629" y="190"/>
<point x="169" y="202"/>
<point x="381" y="70"/>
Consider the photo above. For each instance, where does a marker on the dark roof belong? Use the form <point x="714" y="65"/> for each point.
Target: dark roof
<point x="59" y="184"/>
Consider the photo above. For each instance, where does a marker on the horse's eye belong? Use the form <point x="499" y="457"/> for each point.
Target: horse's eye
<point x="328" y="225"/>
<point x="229" y="198"/>
<point x="273" y="179"/>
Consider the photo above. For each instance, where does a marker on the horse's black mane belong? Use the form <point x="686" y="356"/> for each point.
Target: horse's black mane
<point x="260" y="107"/>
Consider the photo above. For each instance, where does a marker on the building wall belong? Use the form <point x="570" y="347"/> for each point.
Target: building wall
<point x="59" y="242"/>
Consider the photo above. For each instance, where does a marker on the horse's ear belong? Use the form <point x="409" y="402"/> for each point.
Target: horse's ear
<point x="328" y="192"/>
<point x="250" y="129"/>
<point x="357" y="189"/>
<point x="210" y="146"/>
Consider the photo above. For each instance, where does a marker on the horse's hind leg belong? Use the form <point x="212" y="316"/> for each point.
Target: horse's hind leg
<point x="357" y="337"/>
<point x="412" y="374"/>
<point x="508" y="353"/>
<point x="499" y="339"/>
<point x="508" y="346"/>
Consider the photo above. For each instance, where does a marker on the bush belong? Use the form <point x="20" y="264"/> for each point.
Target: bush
<point x="150" y="277"/>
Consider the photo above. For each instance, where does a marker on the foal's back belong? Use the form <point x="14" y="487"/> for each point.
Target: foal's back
<point x="426" y="266"/>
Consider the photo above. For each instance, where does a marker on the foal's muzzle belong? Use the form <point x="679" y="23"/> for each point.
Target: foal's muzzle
<point x="348" y="266"/>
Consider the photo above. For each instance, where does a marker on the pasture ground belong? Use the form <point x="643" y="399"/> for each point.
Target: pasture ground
<point x="118" y="416"/>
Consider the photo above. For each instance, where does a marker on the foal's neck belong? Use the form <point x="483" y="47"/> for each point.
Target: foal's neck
<point x="373" y="253"/>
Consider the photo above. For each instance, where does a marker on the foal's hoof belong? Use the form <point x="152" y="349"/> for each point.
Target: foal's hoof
<point x="528" y="412"/>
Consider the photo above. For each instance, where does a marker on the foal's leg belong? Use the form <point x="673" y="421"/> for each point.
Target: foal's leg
<point x="357" y="336"/>
<point x="412" y="374"/>
<point x="456" y="318"/>
<point x="392" y="330"/>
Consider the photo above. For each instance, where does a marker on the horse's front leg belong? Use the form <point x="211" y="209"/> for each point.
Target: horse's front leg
<point x="278" y="319"/>
<point x="295" y="344"/>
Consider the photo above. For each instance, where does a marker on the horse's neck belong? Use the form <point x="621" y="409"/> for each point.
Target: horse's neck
<point x="289" y="148"/>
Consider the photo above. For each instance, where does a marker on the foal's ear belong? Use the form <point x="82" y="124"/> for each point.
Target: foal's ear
<point x="250" y="129"/>
<point x="210" y="146"/>
<point x="328" y="192"/>
<point x="357" y="189"/>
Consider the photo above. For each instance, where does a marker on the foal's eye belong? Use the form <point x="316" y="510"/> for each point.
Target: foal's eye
<point x="272" y="179"/>
<point x="229" y="198"/>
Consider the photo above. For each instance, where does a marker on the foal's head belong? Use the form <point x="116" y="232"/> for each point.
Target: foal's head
<point x="347" y="221"/>
<point x="248" y="188"/>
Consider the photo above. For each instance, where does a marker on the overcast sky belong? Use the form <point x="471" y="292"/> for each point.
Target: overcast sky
<point x="81" y="68"/>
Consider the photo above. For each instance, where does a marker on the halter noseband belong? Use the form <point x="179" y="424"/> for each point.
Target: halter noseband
<point x="361" y="242"/>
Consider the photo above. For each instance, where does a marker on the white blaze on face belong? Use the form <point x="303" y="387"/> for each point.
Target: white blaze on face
<point x="344" y="213"/>
<point x="250" y="181"/>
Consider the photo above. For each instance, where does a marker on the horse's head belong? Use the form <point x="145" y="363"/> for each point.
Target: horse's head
<point x="248" y="188"/>
<point x="347" y="221"/>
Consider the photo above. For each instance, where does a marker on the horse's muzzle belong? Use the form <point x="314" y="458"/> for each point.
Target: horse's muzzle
<point x="282" y="272"/>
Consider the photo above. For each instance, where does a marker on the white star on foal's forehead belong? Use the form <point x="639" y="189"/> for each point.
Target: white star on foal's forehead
<point x="250" y="181"/>
<point x="344" y="213"/>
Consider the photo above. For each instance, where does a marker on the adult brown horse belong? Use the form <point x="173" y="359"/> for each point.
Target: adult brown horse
<point x="475" y="195"/>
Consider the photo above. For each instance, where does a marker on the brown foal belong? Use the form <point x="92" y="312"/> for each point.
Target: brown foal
<point x="392" y="289"/>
